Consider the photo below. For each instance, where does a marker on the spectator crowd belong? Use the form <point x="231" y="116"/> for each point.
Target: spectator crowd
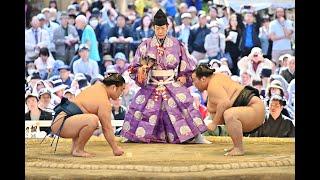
<point x="68" y="50"/>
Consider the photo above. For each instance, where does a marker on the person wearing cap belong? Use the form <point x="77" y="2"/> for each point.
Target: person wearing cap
<point x="69" y="94"/>
<point x="183" y="8"/>
<point x="85" y="64"/>
<point x="65" y="37"/>
<point x="64" y="72"/>
<point x="88" y="37"/>
<point x="289" y="73"/>
<point x="44" y="63"/>
<point x="238" y="107"/>
<point x="184" y="29"/>
<point x="276" y="124"/>
<point x="250" y="34"/>
<point x="281" y="31"/>
<point x="72" y="10"/>
<point x="58" y="88"/>
<point x="120" y="36"/>
<point x="35" y="38"/>
<point x="79" y="83"/>
<point x="215" y="42"/>
<point x="254" y="63"/>
<point x="164" y="97"/>
<point x="34" y="112"/>
<point x="107" y="61"/>
<point x="45" y="100"/>
<point x="276" y="88"/>
<point x="85" y="112"/>
<point x="194" y="18"/>
<point x="197" y="38"/>
<point x="121" y="63"/>
<point x="32" y="80"/>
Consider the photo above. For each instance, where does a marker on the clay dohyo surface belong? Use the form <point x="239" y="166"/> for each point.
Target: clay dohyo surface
<point x="264" y="158"/>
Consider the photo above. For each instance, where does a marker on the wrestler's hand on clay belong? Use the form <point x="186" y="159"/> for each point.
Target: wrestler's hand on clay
<point x="118" y="151"/>
<point x="182" y="80"/>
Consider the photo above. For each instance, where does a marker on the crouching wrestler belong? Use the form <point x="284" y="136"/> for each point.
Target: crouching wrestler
<point x="79" y="118"/>
<point x="230" y="103"/>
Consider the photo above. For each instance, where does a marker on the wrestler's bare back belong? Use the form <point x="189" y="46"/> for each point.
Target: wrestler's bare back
<point x="219" y="80"/>
<point x="89" y="100"/>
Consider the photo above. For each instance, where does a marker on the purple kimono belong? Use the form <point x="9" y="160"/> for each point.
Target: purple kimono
<point x="163" y="114"/>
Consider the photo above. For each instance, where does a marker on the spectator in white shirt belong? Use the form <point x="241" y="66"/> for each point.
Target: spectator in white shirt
<point x="281" y="31"/>
<point x="84" y="64"/>
<point x="35" y="38"/>
<point x="44" y="63"/>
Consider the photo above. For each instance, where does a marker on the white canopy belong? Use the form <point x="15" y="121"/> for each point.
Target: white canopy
<point x="257" y="4"/>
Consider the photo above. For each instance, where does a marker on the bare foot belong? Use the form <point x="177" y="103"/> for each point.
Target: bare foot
<point x="81" y="154"/>
<point x="228" y="150"/>
<point x="211" y="126"/>
<point x="235" y="152"/>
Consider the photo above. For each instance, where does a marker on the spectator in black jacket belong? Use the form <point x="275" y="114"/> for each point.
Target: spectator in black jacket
<point x="250" y="35"/>
<point x="35" y="113"/>
<point x="120" y="34"/>
<point x="276" y="124"/>
<point x="289" y="73"/>
<point x="197" y="36"/>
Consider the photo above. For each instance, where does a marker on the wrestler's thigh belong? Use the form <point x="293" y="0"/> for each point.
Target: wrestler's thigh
<point x="74" y="124"/>
<point x="250" y="116"/>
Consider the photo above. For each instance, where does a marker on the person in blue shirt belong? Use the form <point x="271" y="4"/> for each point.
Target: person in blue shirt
<point x="250" y="32"/>
<point x="85" y="65"/>
<point x="88" y="37"/>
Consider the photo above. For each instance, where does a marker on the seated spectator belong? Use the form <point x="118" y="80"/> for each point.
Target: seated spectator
<point x="57" y="64"/>
<point x="265" y="78"/>
<point x="121" y="63"/>
<point x="225" y="70"/>
<point x="129" y="92"/>
<point x="283" y="63"/>
<point x="107" y="61"/>
<point x="58" y="88"/>
<point x="120" y="34"/>
<point x="79" y="83"/>
<point x="30" y="68"/>
<point x="291" y="99"/>
<point x="44" y="63"/>
<point x="35" y="113"/>
<point x="276" y="124"/>
<point x="118" y="112"/>
<point x="216" y="64"/>
<point x="289" y="73"/>
<point x="98" y="78"/>
<point x="215" y="42"/>
<point x="276" y="88"/>
<point x="84" y="64"/>
<point x="197" y="38"/>
<point x="254" y="62"/>
<point x="183" y="31"/>
<point x="69" y="94"/>
<point x="65" y="37"/>
<point x="32" y="81"/>
<point x="142" y="32"/>
<point x="257" y="83"/>
<point x="246" y="79"/>
<point x="45" y="100"/>
<point x="65" y="75"/>
<point x="35" y="38"/>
